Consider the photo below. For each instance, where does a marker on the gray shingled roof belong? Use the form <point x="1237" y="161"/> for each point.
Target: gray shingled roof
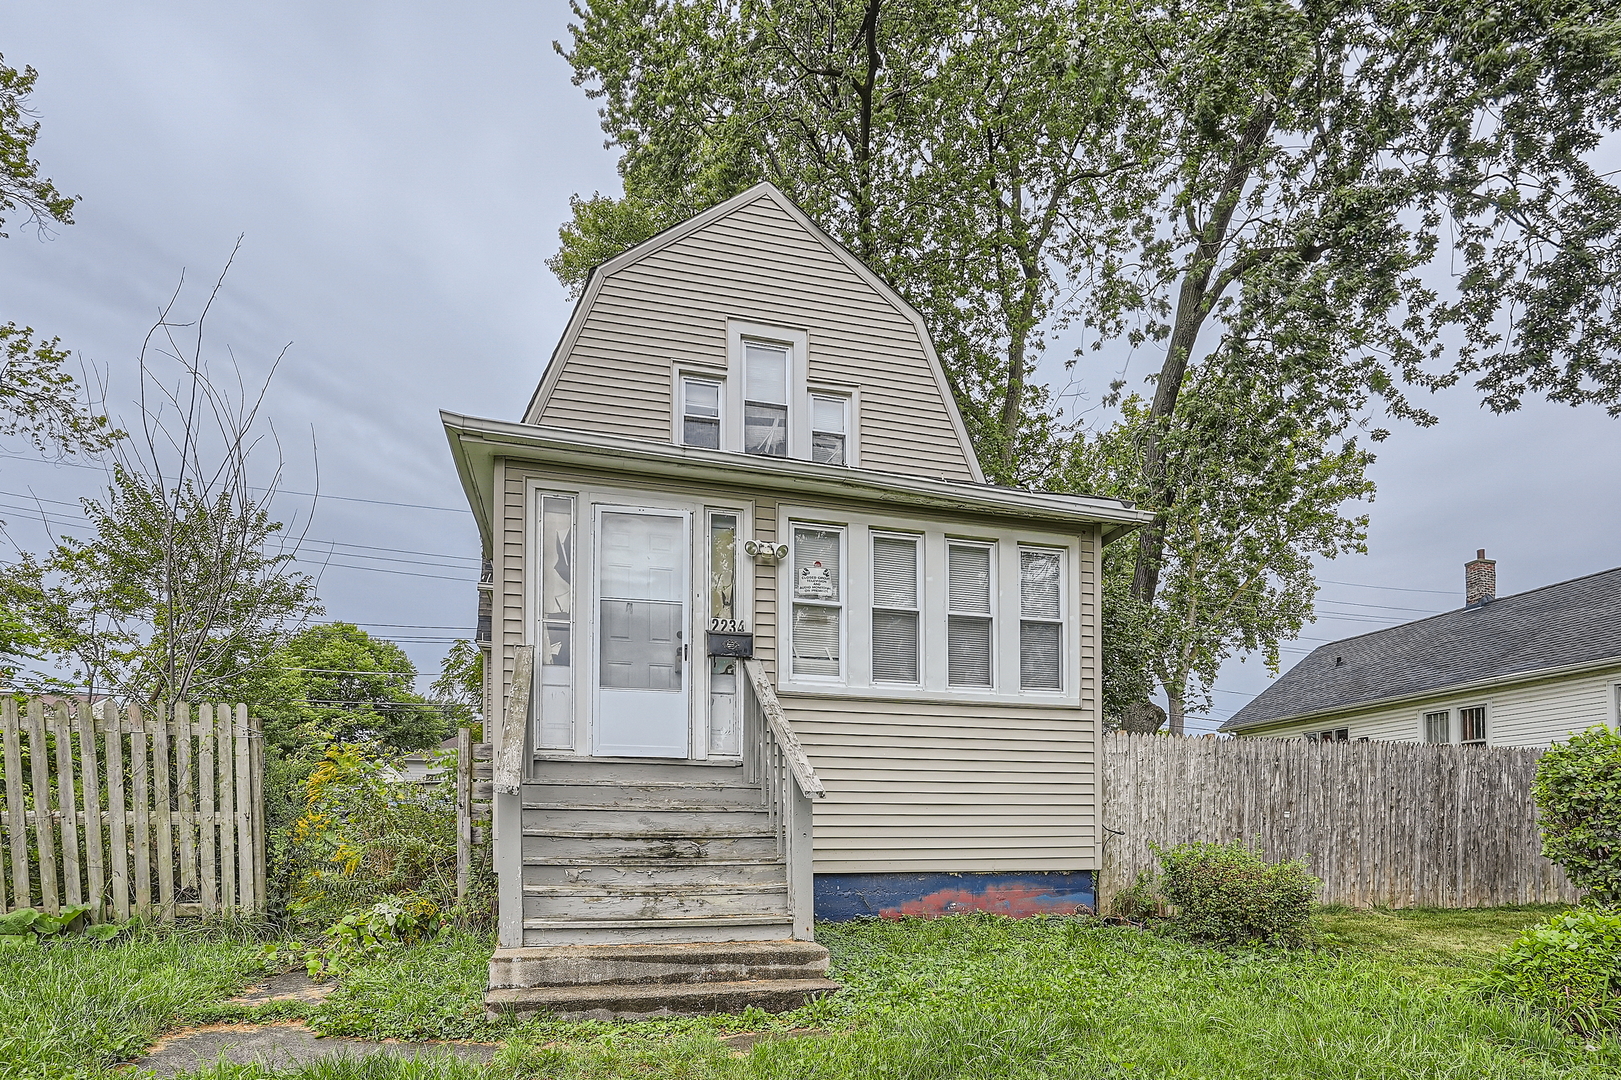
<point x="1556" y="626"/>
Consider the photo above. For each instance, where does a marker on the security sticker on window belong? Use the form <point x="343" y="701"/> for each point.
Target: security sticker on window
<point x="814" y="583"/>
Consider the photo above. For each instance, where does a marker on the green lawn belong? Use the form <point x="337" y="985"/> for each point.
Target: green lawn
<point x="958" y="998"/>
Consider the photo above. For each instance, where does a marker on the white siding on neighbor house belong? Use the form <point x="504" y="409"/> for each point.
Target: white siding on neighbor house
<point x="913" y="785"/>
<point x="1533" y="713"/>
<point x="756" y="264"/>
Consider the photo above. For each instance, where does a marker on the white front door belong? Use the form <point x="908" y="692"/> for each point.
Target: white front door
<point x="641" y="663"/>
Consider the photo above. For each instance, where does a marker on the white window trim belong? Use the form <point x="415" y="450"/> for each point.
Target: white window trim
<point x="1455" y="722"/>
<point x="742" y="602"/>
<point x="1063" y="613"/>
<point x="534" y="491"/>
<point x="921" y="610"/>
<point x="1423" y="730"/>
<point x="798" y="345"/>
<point x="1485" y="707"/>
<point x="678" y="407"/>
<point x="998" y="658"/>
<point x="852" y="415"/>
<point x="858" y="683"/>
<point x="843" y="604"/>
<point x="1615" y="708"/>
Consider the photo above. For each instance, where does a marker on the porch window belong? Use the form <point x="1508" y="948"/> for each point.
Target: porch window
<point x="817" y="635"/>
<point x="765" y="399"/>
<point x="968" y="617"/>
<point x="700" y="413"/>
<point x="1472" y="726"/>
<point x="725" y="719"/>
<point x="1438" y="726"/>
<point x="1041" y="627"/>
<point x="829" y="421"/>
<point x="895" y="609"/>
<point x="555" y="558"/>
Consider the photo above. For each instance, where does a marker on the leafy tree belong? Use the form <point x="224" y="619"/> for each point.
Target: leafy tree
<point x="334" y="682"/>
<point x="39" y="399"/>
<point x="1258" y="496"/>
<point x="459" y="689"/>
<point x="1357" y="196"/>
<point x="967" y="152"/>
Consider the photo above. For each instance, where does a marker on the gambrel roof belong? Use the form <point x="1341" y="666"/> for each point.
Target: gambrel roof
<point x="1568" y="625"/>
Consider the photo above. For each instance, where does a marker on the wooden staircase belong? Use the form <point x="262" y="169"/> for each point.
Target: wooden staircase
<point x="656" y="887"/>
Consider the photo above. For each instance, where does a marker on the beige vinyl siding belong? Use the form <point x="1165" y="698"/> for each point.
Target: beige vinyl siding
<point x="756" y="264"/>
<point x="1533" y="713"/>
<point x="938" y="787"/>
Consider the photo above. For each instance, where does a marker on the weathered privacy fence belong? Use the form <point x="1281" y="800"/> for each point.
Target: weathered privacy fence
<point x="1397" y="824"/>
<point x="136" y="811"/>
<point x="475" y="794"/>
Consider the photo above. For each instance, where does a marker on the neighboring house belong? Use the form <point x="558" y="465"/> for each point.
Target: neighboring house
<point x="743" y="529"/>
<point x="1522" y="670"/>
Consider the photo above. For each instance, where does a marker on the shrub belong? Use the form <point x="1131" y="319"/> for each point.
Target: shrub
<point x="1228" y="894"/>
<point x="1136" y="902"/>
<point x="1568" y="967"/>
<point x="1578" y="797"/>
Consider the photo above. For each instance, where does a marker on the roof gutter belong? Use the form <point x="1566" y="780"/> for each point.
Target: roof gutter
<point x="1534" y="675"/>
<point x="476" y="442"/>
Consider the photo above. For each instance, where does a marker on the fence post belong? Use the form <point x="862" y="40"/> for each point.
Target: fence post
<point x="464" y="811"/>
<point x="256" y="763"/>
<point x="69" y="803"/>
<point x="244" y="811"/>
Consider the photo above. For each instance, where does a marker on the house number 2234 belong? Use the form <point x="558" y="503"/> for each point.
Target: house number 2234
<point x="726" y="626"/>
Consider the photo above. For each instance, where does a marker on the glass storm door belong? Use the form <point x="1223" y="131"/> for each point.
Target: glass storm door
<point x="641" y="641"/>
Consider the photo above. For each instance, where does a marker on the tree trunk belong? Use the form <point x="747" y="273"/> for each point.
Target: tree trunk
<point x="1174" y="715"/>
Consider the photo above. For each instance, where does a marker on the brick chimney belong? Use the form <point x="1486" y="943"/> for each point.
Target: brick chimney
<point x="1479" y="580"/>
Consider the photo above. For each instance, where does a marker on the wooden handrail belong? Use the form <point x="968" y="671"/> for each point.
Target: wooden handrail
<point x="771" y="709"/>
<point x="508" y="771"/>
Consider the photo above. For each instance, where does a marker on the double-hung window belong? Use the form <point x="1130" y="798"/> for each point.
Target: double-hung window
<point x="895" y="595"/>
<point x="817" y="635"/>
<point x="1041" y="625"/>
<point x="700" y="412"/>
<point x="1472" y="726"/>
<point x="1438" y="726"/>
<point x="765" y="399"/>
<point x="969" y="624"/>
<point x="830" y="421"/>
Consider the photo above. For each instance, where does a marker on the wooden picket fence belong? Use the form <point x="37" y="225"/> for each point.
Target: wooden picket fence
<point x="137" y="811"/>
<point x="1381" y="823"/>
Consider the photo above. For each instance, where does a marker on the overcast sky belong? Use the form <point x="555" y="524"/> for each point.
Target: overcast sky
<point x="398" y="172"/>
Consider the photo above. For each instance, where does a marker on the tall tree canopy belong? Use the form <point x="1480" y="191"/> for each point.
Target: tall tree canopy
<point x="1329" y="203"/>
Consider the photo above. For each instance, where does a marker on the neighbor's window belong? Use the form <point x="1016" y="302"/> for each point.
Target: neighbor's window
<point x="1438" y="726"/>
<point x="700" y="413"/>
<point x="895" y="591"/>
<point x="555" y="721"/>
<point x="830" y="420"/>
<point x="818" y="603"/>
<point x="1041" y="628"/>
<point x="765" y="399"/>
<point x="1472" y="726"/>
<point x="968" y="614"/>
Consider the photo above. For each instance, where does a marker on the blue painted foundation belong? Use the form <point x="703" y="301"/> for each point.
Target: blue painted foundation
<point x="894" y="896"/>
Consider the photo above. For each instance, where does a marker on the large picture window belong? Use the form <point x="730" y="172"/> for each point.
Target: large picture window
<point x="969" y="622"/>
<point x="895" y="602"/>
<point x="817" y="634"/>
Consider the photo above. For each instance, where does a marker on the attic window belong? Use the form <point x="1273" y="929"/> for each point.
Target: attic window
<point x="700" y="413"/>
<point x="765" y="399"/>
<point x="829" y="423"/>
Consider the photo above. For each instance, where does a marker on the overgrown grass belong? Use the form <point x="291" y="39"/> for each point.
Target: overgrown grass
<point x="964" y="998"/>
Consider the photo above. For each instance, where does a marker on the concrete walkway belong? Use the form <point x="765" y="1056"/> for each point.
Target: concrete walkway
<point x="282" y="1046"/>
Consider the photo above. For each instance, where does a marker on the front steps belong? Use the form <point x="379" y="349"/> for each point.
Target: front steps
<point x="628" y="982"/>
<point x="652" y="888"/>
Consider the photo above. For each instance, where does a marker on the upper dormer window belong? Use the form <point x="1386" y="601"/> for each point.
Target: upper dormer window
<point x="700" y="413"/>
<point x="829" y="422"/>
<point x="765" y="399"/>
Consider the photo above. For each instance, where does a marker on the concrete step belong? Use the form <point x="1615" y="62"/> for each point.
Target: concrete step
<point x="655" y="872"/>
<point x="591" y="903"/>
<point x="637" y="1002"/>
<point x="639" y="964"/>
<point x="559" y="932"/>
<point x="551" y="845"/>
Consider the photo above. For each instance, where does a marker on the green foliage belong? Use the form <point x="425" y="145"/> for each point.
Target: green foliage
<point x="334" y="682"/>
<point x="366" y="837"/>
<point x="1568" y="967"/>
<point x="21" y="186"/>
<point x="459" y="689"/>
<point x="1137" y="902"/>
<point x="1230" y="895"/>
<point x="432" y="990"/>
<point x="25" y="926"/>
<point x="374" y="932"/>
<point x="175" y="597"/>
<point x="40" y="401"/>
<point x="1578" y="797"/>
